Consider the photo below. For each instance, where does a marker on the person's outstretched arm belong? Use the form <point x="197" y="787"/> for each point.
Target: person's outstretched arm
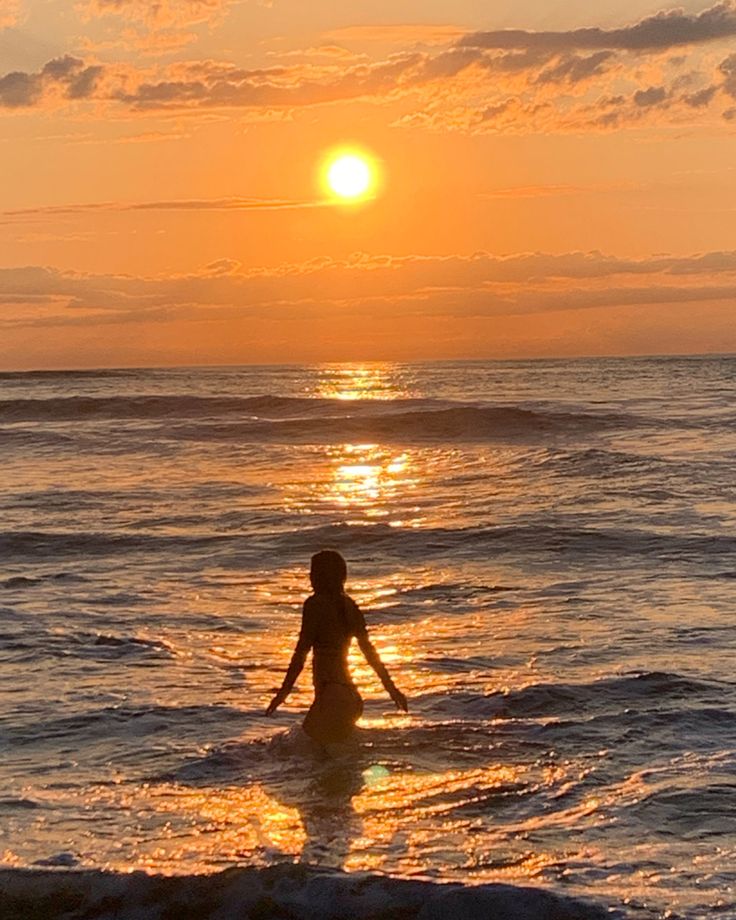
<point x="374" y="660"/>
<point x="303" y="645"/>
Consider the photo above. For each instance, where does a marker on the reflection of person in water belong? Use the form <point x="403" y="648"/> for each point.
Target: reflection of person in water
<point x="323" y="796"/>
<point x="330" y="619"/>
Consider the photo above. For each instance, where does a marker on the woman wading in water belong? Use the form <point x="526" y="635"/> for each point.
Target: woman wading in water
<point x="330" y="619"/>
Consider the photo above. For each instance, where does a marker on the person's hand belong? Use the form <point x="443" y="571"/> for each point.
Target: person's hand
<point x="398" y="697"/>
<point x="276" y="702"/>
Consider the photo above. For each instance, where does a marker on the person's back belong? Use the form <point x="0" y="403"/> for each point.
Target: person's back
<point x="332" y="632"/>
<point x="330" y="620"/>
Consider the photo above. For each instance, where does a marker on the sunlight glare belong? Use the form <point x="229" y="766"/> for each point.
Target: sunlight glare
<point x="350" y="175"/>
<point x="360" y="381"/>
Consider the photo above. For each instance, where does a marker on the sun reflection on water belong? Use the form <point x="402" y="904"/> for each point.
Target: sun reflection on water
<point x="368" y="477"/>
<point x="360" y="483"/>
<point x="360" y="381"/>
<point x="355" y="814"/>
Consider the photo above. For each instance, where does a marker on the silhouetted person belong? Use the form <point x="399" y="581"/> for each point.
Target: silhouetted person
<point x="330" y="619"/>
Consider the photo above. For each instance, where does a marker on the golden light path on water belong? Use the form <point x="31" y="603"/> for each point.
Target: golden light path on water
<point x="381" y="811"/>
<point x="376" y="815"/>
<point x="361" y="481"/>
<point x="363" y="818"/>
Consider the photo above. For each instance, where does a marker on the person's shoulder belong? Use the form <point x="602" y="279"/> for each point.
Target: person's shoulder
<point x="355" y="614"/>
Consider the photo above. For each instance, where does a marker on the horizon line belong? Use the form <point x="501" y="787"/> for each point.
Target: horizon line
<point x="414" y="362"/>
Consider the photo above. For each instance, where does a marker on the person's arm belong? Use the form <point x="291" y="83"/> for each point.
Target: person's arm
<point x="303" y="645"/>
<point x="374" y="660"/>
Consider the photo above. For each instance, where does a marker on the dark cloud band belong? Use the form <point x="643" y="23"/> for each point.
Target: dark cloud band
<point x="668" y="29"/>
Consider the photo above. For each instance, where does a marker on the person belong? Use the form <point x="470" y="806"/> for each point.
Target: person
<point x="330" y="620"/>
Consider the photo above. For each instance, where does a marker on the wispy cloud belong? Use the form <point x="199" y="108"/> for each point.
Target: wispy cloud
<point x="545" y="191"/>
<point x="178" y="204"/>
<point x="398" y="34"/>
<point x="158" y="13"/>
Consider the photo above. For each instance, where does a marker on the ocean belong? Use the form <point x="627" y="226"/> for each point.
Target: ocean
<point x="545" y="552"/>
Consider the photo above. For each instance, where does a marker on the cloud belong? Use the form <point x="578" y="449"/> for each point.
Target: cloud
<point x="398" y="34"/>
<point x="19" y="89"/>
<point x="203" y="84"/>
<point x="151" y="137"/>
<point x="510" y="81"/>
<point x="728" y="70"/>
<point x="209" y="84"/>
<point x="533" y="191"/>
<point x="653" y="95"/>
<point x="480" y="284"/>
<point x="222" y="267"/>
<point x="158" y="13"/>
<point x="332" y="51"/>
<point x="701" y="98"/>
<point x="144" y="41"/>
<point x="153" y="27"/>
<point x="455" y="83"/>
<point x="178" y="204"/>
<point x="573" y="68"/>
<point x="663" y="30"/>
<point x="67" y="77"/>
<point x="549" y="191"/>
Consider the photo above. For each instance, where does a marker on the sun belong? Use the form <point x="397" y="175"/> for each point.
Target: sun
<point x="350" y="175"/>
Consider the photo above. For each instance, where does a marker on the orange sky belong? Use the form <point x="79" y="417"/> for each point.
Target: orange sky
<point x="557" y="181"/>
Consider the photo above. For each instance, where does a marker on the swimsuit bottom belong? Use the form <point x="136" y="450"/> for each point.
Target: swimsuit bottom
<point x="334" y="712"/>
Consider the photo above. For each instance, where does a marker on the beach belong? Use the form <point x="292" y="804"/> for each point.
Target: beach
<point x="545" y="553"/>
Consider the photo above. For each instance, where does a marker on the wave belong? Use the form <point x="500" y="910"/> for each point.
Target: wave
<point x="19" y="582"/>
<point x="702" y="811"/>
<point x="233" y="417"/>
<point x="124" y="721"/>
<point x="561" y="699"/>
<point x="445" y="589"/>
<point x="112" y="373"/>
<point x="80" y="408"/>
<point x="15" y="803"/>
<point x="123" y="645"/>
<point x="32" y="437"/>
<point x="31" y="544"/>
<point x="300" y="892"/>
<point x="38" y="644"/>
<point x="601" y="463"/>
<point x="403" y="542"/>
<point x="457" y="423"/>
<point x="530" y="538"/>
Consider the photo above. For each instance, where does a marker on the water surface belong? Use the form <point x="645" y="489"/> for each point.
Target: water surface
<point x="546" y="555"/>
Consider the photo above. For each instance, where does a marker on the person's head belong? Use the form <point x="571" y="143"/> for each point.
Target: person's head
<point x="328" y="572"/>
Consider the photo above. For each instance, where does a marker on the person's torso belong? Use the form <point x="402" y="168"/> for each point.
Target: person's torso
<point x="332" y="638"/>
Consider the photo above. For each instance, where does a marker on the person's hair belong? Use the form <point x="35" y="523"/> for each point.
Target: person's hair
<point x="328" y="572"/>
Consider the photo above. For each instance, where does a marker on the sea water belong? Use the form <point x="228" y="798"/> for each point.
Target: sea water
<point x="545" y="553"/>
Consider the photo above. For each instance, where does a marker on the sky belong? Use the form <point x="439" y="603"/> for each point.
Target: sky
<point x="557" y="179"/>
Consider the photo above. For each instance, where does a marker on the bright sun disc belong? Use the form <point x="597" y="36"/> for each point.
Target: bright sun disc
<point x="349" y="175"/>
